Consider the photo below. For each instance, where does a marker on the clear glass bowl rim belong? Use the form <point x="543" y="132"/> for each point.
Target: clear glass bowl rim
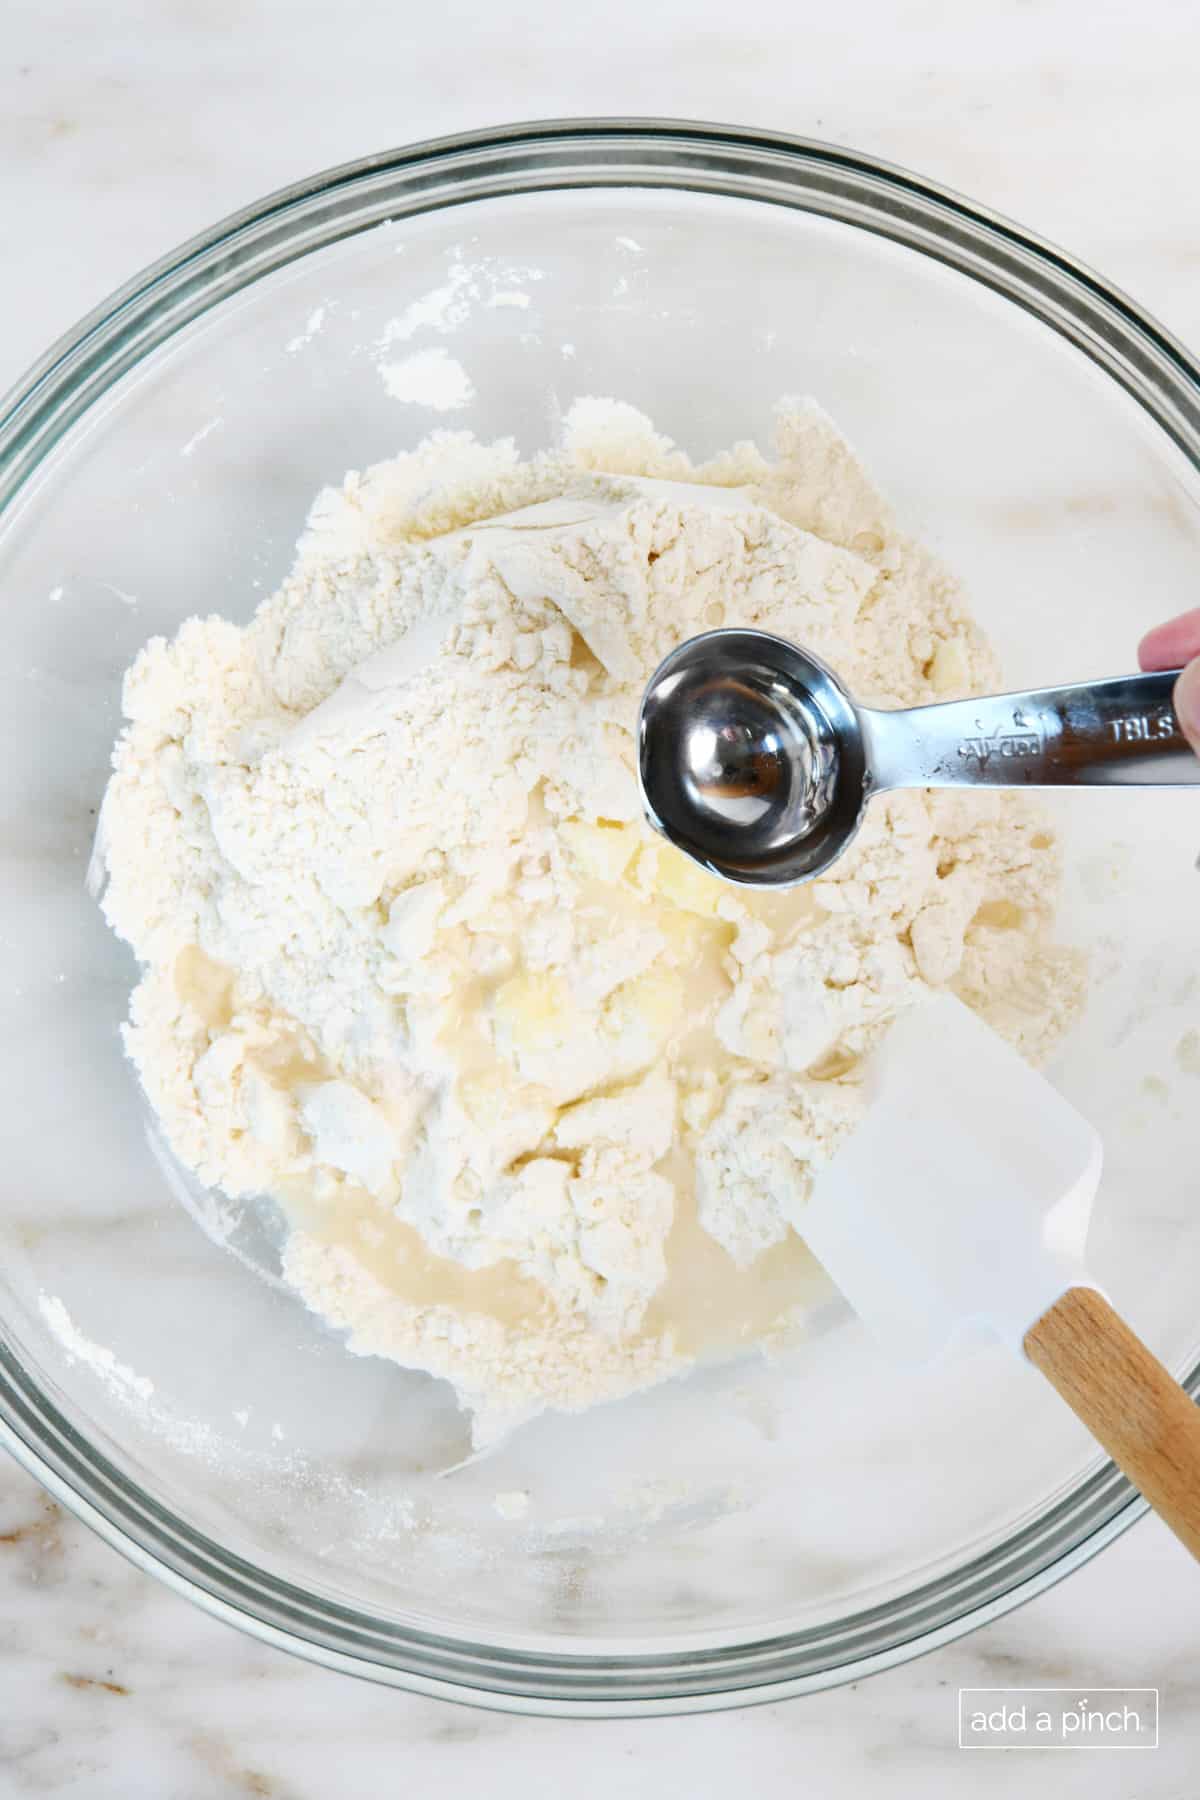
<point x="76" y="374"/>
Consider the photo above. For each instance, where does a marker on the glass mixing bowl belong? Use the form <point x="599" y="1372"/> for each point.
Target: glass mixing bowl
<point x="760" y="1528"/>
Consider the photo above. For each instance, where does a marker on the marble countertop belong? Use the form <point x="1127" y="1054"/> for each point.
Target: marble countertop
<point x="125" y="128"/>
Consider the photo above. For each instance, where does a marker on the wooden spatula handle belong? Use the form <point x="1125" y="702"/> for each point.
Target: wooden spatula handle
<point x="1128" y="1402"/>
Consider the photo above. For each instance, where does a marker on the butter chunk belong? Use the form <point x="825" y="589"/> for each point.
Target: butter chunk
<point x="601" y="851"/>
<point x="532" y="1011"/>
<point x="674" y="876"/>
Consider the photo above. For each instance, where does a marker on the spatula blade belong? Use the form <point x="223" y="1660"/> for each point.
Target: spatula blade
<point x="964" y="1197"/>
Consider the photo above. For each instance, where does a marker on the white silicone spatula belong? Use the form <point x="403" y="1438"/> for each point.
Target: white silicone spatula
<point x="962" y="1200"/>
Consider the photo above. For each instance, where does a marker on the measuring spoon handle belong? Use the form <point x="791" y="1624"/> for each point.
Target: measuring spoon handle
<point x="1121" y="731"/>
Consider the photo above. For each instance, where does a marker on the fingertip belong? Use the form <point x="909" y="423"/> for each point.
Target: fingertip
<point x="1187" y="703"/>
<point x="1172" y="644"/>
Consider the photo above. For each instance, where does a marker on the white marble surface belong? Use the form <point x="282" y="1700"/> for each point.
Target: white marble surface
<point x="126" y="127"/>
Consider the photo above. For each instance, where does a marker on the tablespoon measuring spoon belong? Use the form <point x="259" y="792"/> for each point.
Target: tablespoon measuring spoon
<point x="755" y="761"/>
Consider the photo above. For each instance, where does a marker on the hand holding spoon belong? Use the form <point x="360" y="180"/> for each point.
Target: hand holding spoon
<point x="755" y="761"/>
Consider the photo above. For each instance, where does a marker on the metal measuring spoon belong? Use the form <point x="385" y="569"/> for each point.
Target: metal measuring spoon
<point x="755" y="761"/>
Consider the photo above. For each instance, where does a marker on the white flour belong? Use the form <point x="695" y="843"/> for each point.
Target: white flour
<point x="122" y="1382"/>
<point x="542" y="1101"/>
<point x="428" y="378"/>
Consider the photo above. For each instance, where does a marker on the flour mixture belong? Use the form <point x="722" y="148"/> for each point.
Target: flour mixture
<point x="540" y="1100"/>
